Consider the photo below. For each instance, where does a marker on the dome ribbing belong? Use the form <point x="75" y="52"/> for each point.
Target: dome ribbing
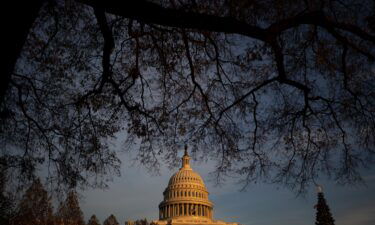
<point x="185" y="195"/>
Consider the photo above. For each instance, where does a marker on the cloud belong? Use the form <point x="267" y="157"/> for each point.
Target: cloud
<point x="369" y="178"/>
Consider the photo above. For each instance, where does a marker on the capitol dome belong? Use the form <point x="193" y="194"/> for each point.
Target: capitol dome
<point x="186" y="175"/>
<point x="186" y="195"/>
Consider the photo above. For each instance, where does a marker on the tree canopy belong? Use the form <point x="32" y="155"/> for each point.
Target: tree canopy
<point x="323" y="213"/>
<point x="7" y="206"/>
<point x="111" y="220"/>
<point x="69" y="212"/>
<point x="35" y="208"/>
<point x="282" y="90"/>
<point x="93" y="220"/>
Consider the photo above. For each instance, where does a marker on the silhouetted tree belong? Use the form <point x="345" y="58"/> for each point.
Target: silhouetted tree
<point x="93" y="221"/>
<point x="111" y="220"/>
<point x="6" y="201"/>
<point x="323" y="214"/>
<point x="141" y="222"/>
<point x="69" y="212"/>
<point x="268" y="88"/>
<point x="35" y="207"/>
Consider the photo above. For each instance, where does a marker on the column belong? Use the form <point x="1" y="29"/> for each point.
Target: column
<point x="196" y="209"/>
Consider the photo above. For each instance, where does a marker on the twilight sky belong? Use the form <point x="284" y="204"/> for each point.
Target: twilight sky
<point x="136" y="195"/>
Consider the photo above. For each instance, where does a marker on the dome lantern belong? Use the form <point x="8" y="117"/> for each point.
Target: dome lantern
<point x="186" y="160"/>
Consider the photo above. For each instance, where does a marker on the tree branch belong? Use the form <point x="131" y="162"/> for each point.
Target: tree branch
<point x="152" y="13"/>
<point x="108" y="44"/>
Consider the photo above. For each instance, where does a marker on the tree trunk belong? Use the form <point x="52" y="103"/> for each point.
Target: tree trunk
<point x="17" y="21"/>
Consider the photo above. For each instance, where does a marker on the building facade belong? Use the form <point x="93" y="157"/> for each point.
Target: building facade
<point x="186" y="199"/>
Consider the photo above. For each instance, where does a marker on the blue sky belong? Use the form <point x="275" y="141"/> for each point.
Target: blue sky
<point x="137" y="193"/>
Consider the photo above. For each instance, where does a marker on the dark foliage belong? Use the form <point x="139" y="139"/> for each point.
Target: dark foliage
<point x="69" y="212"/>
<point x="281" y="91"/>
<point x="35" y="208"/>
<point x="111" y="220"/>
<point x="141" y="222"/>
<point x="323" y="214"/>
<point x="93" y="221"/>
<point x="7" y="207"/>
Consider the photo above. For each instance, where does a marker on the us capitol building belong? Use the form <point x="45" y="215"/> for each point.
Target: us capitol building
<point x="186" y="199"/>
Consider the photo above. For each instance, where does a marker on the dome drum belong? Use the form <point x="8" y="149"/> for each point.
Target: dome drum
<point x="186" y="195"/>
<point x="185" y="200"/>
